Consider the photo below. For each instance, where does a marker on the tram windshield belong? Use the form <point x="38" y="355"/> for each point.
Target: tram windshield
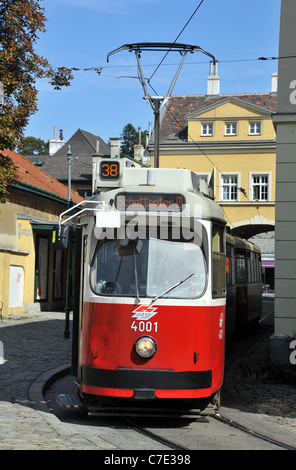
<point x="150" y="267"/>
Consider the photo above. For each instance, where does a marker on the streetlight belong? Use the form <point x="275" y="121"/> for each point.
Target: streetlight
<point x="69" y="254"/>
<point x="69" y="155"/>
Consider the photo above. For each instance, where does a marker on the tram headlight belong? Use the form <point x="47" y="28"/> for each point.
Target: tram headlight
<point x="145" y="347"/>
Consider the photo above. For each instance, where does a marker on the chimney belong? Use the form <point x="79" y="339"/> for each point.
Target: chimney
<point x="213" y="80"/>
<point x="97" y="147"/>
<point x="138" y="152"/>
<point x="55" y="144"/>
<point x="274" y="83"/>
<point x="115" y="147"/>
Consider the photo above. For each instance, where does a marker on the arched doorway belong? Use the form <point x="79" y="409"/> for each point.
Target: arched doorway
<point x="262" y="234"/>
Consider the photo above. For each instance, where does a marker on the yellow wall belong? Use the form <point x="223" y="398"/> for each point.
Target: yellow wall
<point x="230" y="112"/>
<point x="21" y="255"/>
<point x="242" y="163"/>
<point x="17" y="247"/>
<point x="242" y="154"/>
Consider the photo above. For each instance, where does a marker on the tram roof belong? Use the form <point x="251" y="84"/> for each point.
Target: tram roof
<point x="164" y="182"/>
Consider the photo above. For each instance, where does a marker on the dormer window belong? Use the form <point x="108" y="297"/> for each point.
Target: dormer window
<point x="231" y="128"/>
<point x="207" y="129"/>
<point x="255" y="128"/>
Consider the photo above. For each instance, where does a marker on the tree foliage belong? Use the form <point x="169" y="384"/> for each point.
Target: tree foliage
<point x="129" y="138"/>
<point x="33" y="146"/>
<point x="20" y="66"/>
<point x="8" y="175"/>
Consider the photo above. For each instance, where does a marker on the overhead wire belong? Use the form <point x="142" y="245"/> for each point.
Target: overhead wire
<point x="199" y="148"/>
<point x="99" y="69"/>
<point x="193" y="141"/>
<point x="175" y="118"/>
<point x="183" y="29"/>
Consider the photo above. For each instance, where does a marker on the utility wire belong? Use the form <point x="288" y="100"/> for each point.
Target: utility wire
<point x="176" y="39"/>
<point x="200" y="149"/>
<point x="99" y="69"/>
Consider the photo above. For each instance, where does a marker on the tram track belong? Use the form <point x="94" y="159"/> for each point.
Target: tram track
<point x="161" y="440"/>
<point x="219" y="417"/>
<point x="265" y="328"/>
<point x="171" y="444"/>
<point x="185" y="434"/>
<point x="251" y="432"/>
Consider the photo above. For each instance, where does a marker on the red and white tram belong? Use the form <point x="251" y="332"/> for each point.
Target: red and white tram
<point x="150" y="327"/>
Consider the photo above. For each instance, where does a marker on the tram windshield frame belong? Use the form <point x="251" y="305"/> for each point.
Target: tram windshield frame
<point x="151" y="266"/>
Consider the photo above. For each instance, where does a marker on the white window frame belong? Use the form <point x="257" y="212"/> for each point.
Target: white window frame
<point x="231" y="128"/>
<point x="257" y="127"/>
<point x="231" y="184"/>
<point x="207" y="129"/>
<point x="202" y="176"/>
<point x="260" y="175"/>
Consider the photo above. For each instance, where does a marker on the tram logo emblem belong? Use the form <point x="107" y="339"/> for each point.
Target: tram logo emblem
<point x="144" y="312"/>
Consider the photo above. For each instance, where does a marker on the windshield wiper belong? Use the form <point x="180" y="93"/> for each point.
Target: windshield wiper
<point x="136" y="279"/>
<point x="171" y="288"/>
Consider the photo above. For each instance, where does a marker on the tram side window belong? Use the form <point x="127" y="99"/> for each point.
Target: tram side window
<point x="257" y="267"/>
<point x="254" y="267"/>
<point x="240" y="267"/>
<point x="250" y="265"/>
<point x="218" y="256"/>
<point x="230" y="266"/>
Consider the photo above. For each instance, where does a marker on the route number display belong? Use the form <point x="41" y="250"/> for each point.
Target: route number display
<point x="109" y="170"/>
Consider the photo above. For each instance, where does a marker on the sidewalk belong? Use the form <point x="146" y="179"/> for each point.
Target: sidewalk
<point x="253" y="394"/>
<point x="34" y="349"/>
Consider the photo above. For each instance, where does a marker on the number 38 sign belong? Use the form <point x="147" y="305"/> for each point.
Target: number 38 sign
<point x="109" y="170"/>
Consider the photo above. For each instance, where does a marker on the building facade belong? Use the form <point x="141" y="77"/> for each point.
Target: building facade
<point x="32" y="274"/>
<point x="282" y="343"/>
<point x="82" y="146"/>
<point x="229" y="141"/>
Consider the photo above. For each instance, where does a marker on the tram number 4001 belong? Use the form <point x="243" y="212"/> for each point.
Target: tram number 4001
<point x="145" y="326"/>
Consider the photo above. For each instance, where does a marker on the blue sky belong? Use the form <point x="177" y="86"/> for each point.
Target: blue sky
<point x="80" y="33"/>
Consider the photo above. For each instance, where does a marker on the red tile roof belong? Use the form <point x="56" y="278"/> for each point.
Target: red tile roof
<point x="36" y="177"/>
<point x="180" y="106"/>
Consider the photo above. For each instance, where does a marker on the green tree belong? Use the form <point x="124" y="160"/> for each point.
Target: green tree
<point x="129" y="138"/>
<point x="8" y="175"/>
<point x="20" y="23"/>
<point x="32" y="145"/>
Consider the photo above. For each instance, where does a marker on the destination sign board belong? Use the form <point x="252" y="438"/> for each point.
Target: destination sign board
<point x="149" y="201"/>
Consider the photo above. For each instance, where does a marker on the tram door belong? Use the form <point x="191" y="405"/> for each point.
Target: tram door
<point x="80" y="259"/>
<point x="41" y="268"/>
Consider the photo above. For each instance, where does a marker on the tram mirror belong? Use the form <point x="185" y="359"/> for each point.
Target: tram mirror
<point x="123" y="241"/>
<point x="108" y="219"/>
<point x="60" y="237"/>
<point x="128" y="247"/>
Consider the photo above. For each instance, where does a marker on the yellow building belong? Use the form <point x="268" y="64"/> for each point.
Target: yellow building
<point x="228" y="141"/>
<point x="32" y="275"/>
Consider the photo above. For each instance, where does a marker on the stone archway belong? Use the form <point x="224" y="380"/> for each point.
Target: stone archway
<point x="260" y="231"/>
<point x="254" y="226"/>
